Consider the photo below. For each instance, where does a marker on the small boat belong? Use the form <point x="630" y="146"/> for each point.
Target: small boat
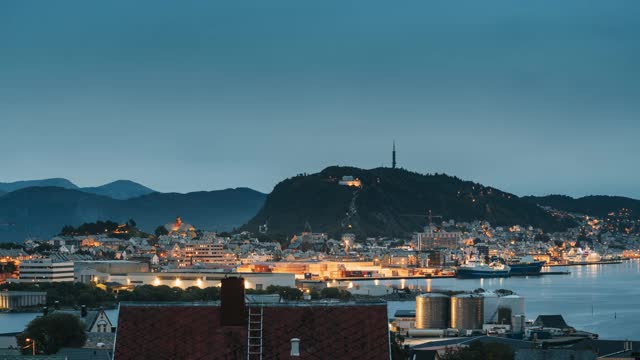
<point x="525" y="265"/>
<point x="475" y="268"/>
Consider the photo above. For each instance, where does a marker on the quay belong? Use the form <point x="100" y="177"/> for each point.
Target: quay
<point x="605" y="262"/>
<point x="392" y="278"/>
<point x="542" y="273"/>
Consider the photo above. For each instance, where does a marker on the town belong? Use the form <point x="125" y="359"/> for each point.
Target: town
<point x="119" y="261"/>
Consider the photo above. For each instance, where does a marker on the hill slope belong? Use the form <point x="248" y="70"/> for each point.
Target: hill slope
<point x="17" y="185"/>
<point x="596" y="205"/>
<point x="120" y="189"/>
<point x="42" y="211"/>
<point x="387" y="197"/>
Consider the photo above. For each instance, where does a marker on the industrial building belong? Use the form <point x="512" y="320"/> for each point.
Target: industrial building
<point x="203" y="278"/>
<point x="100" y="270"/>
<point x="18" y="299"/>
<point x="45" y="270"/>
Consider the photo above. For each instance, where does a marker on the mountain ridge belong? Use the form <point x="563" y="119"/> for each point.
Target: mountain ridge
<point x="22" y="184"/>
<point x="43" y="211"/>
<point x="119" y="189"/>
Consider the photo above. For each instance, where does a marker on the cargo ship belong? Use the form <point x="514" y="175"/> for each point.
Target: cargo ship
<point x="525" y="265"/>
<point x="475" y="268"/>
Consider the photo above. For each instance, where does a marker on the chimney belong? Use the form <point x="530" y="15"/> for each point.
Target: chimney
<point x="83" y="311"/>
<point x="45" y="310"/>
<point x="56" y="305"/>
<point x="232" y="302"/>
<point x="295" y="347"/>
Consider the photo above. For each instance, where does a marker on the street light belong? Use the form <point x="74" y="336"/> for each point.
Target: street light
<point x="32" y="346"/>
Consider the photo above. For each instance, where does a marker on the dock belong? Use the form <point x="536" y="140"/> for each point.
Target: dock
<point x="419" y="277"/>
<point x="542" y="273"/>
<point x="605" y="262"/>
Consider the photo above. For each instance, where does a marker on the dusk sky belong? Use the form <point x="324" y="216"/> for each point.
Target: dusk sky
<point x="532" y="97"/>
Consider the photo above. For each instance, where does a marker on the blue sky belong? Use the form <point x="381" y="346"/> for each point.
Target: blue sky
<point x="530" y="97"/>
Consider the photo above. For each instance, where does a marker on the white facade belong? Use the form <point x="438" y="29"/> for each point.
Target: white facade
<point x="204" y="253"/>
<point x="46" y="270"/>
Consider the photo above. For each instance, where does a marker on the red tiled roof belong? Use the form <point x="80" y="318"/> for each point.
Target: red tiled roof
<point x="194" y="332"/>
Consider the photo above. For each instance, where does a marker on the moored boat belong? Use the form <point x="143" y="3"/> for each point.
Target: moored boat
<point x="525" y="265"/>
<point x="475" y="268"/>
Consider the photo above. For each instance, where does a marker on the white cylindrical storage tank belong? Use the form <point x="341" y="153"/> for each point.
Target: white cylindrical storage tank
<point x="490" y="306"/>
<point x="513" y="302"/>
<point x="467" y="311"/>
<point x="432" y="311"/>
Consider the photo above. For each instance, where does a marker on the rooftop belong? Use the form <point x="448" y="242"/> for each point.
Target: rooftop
<point x="326" y="330"/>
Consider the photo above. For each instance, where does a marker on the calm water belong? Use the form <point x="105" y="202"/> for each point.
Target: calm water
<point x="604" y="299"/>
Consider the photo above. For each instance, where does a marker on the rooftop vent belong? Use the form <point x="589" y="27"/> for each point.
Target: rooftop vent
<point x="295" y="347"/>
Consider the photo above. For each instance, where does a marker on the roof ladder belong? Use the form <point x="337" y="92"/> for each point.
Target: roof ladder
<point x="254" y="333"/>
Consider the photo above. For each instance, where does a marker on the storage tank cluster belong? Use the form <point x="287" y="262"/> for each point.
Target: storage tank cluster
<point x="435" y="313"/>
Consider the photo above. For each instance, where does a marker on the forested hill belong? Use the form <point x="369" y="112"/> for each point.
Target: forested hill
<point x="387" y="202"/>
<point x="595" y="205"/>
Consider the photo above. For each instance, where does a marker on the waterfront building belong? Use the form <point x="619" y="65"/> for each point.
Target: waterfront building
<point x="202" y="278"/>
<point x="18" y="299"/>
<point x="54" y="269"/>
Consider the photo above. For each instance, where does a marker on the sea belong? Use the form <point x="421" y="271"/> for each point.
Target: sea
<point x="604" y="299"/>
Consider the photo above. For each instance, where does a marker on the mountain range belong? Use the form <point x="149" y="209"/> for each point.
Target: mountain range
<point x="390" y="202"/>
<point x="43" y="211"/>
<point x="119" y="189"/>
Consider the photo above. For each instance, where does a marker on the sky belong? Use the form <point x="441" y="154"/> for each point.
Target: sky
<point x="537" y="97"/>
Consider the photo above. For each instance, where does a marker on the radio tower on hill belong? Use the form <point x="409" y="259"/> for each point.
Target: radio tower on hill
<point x="393" y="156"/>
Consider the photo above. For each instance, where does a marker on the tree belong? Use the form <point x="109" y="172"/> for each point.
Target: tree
<point x="52" y="332"/>
<point x="10" y="245"/>
<point x="9" y="267"/>
<point x="335" y="293"/>
<point x="481" y="351"/>
<point x="161" y="230"/>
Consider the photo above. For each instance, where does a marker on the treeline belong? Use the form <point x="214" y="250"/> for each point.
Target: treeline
<point x="67" y="293"/>
<point x="164" y="293"/>
<point x="126" y="230"/>
<point x="77" y="294"/>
